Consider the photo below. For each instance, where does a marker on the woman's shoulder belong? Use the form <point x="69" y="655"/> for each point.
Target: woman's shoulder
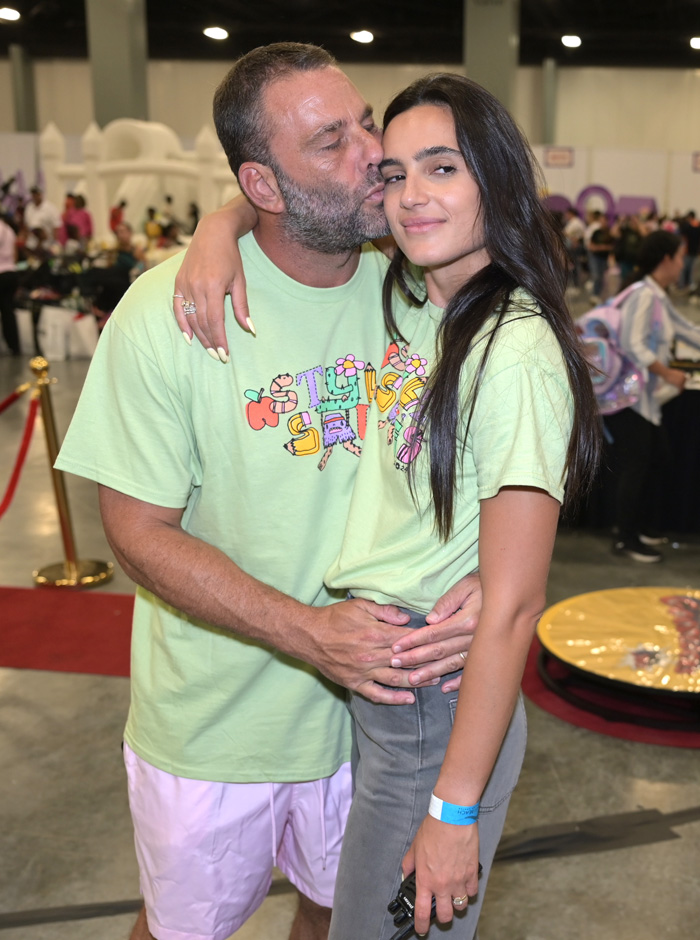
<point x="524" y="334"/>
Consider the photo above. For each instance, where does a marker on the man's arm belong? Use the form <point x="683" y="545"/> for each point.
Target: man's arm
<point x="348" y="642"/>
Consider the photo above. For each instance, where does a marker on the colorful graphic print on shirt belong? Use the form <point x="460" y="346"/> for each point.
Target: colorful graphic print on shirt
<point x="398" y="393"/>
<point x="321" y="408"/>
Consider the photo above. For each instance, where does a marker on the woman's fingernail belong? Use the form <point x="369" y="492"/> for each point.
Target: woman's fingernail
<point x="249" y="323"/>
<point x="223" y="355"/>
<point x="213" y="353"/>
<point x="396" y="662"/>
<point x="188" y="338"/>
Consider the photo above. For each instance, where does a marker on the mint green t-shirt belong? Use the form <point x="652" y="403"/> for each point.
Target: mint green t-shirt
<point x="518" y="436"/>
<point x="262" y="453"/>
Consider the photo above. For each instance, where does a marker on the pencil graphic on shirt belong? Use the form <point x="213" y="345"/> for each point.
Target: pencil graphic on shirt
<point x="370" y="381"/>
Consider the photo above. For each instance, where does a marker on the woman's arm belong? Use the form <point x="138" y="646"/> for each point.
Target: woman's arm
<point x="212" y="268"/>
<point x="516" y="537"/>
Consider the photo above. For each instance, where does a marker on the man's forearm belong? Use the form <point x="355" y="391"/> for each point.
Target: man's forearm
<point x="200" y="580"/>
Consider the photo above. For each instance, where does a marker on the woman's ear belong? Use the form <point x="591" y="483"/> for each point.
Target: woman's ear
<point x="259" y="184"/>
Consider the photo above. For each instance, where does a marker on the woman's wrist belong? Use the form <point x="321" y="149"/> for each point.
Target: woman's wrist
<point x="453" y="813"/>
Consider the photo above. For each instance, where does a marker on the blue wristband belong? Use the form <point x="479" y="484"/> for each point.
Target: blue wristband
<point x="452" y="813"/>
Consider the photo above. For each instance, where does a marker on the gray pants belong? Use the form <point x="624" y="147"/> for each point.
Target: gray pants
<point x="400" y="751"/>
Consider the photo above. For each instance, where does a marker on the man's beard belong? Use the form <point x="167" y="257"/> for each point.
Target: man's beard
<point x="332" y="219"/>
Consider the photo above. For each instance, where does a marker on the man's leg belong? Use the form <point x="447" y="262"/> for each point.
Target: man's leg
<point x="141" y="931"/>
<point x="311" y="922"/>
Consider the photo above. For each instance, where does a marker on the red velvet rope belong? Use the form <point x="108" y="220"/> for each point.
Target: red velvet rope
<point x="21" y="456"/>
<point x="10" y="400"/>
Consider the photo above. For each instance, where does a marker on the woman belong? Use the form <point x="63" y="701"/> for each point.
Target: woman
<point x="483" y="406"/>
<point x="649" y="326"/>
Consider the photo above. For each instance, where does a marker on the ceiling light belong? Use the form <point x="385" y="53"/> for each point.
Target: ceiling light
<point x="571" y="42"/>
<point x="7" y="13"/>
<point x="215" y="32"/>
<point x="362" y="35"/>
<point x="695" y="42"/>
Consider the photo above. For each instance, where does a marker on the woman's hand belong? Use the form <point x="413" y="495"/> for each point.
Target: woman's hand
<point x="212" y="268"/>
<point x="437" y="648"/>
<point x="445" y="858"/>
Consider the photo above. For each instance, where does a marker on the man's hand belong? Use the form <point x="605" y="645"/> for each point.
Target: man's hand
<point x="436" y="647"/>
<point x="351" y="643"/>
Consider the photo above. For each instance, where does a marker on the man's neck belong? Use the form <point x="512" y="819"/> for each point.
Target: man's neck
<point x="312" y="268"/>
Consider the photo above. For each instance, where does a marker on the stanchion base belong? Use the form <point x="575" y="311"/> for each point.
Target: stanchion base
<point x="82" y="574"/>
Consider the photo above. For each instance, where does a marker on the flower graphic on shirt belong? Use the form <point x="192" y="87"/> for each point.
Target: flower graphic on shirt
<point x="415" y="364"/>
<point x="348" y="365"/>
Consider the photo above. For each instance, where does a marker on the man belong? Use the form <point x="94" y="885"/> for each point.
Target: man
<point x="217" y="483"/>
<point x="39" y="213"/>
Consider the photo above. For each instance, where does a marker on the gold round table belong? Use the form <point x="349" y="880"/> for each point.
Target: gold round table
<point x="640" y="645"/>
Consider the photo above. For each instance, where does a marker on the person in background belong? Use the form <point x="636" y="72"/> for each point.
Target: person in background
<point x="192" y="217"/>
<point x="116" y="214"/>
<point x="152" y="226"/>
<point x="39" y="213"/>
<point x="649" y="325"/>
<point x="600" y="246"/>
<point x="574" y="233"/>
<point x="689" y="229"/>
<point x="8" y="285"/>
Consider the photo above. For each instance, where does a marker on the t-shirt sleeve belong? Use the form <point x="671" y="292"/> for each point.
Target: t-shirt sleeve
<point x="520" y="429"/>
<point x="130" y="430"/>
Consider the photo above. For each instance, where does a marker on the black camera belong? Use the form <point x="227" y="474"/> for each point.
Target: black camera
<point x="404" y="904"/>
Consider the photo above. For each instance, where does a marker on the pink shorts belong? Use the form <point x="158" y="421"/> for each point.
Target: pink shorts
<point x="206" y="850"/>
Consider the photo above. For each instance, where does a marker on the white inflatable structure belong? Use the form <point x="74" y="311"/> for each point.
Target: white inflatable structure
<point x="140" y="162"/>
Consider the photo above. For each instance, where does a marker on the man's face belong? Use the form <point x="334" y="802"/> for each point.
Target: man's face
<point x="36" y="198"/>
<point x="325" y="150"/>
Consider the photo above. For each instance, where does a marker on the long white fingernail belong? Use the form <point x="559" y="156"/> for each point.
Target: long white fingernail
<point x="222" y="353"/>
<point x="249" y="322"/>
<point x="188" y="338"/>
<point x="213" y="353"/>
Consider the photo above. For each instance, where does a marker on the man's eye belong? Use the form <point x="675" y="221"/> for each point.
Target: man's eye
<point x="393" y="178"/>
<point x="444" y="169"/>
<point x="334" y="146"/>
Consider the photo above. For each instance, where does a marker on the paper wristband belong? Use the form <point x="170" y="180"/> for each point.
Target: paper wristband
<point x="452" y="813"/>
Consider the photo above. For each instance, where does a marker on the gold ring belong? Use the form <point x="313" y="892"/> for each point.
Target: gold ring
<point x="464" y="658"/>
<point x="461" y="900"/>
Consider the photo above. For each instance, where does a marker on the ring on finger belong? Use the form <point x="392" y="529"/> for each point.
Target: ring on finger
<point x="459" y="901"/>
<point x="189" y="308"/>
<point x="464" y="659"/>
<point x="178" y="296"/>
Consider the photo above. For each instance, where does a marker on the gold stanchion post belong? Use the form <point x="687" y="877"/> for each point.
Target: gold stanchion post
<point x="73" y="572"/>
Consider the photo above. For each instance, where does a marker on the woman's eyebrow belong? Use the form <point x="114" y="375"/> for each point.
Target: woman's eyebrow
<point x="437" y="151"/>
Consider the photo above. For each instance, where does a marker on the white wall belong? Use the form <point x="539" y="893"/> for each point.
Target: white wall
<point x="657" y="109"/>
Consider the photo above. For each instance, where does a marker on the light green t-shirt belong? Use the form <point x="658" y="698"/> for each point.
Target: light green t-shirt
<point x="262" y="452"/>
<point x="518" y="435"/>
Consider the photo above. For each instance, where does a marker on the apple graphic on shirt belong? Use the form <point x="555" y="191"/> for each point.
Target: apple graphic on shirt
<point x="259" y="410"/>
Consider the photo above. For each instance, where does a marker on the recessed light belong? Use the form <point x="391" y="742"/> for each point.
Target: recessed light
<point x="362" y="35"/>
<point x="571" y="42"/>
<point x="216" y="32"/>
<point x="695" y="42"/>
<point x="7" y="13"/>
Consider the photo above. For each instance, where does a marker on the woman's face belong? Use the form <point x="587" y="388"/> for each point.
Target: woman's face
<point x="431" y="200"/>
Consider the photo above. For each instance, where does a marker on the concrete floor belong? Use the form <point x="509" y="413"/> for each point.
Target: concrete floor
<point x="65" y="834"/>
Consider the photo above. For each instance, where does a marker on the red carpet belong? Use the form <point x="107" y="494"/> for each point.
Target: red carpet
<point x="62" y="630"/>
<point x="538" y="693"/>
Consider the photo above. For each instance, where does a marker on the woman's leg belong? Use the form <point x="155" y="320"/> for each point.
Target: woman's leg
<point x="401" y="749"/>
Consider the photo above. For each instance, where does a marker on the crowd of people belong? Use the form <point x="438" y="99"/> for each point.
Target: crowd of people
<point x="52" y="256"/>
<point x="603" y="251"/>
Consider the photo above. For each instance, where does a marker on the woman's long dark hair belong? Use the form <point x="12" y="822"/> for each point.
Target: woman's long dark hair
<point x="526" y="251"/>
